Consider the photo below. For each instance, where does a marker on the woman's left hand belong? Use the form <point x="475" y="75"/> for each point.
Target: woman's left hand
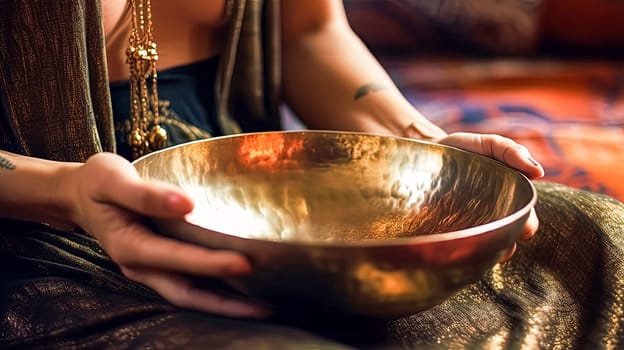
<point x="507" y="151"/>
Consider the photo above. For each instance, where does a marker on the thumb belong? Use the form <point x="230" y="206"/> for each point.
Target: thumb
<point x="117" y="182"/>
<point x="497" y="147"/>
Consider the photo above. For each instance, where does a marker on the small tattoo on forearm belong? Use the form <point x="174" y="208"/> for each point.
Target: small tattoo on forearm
<point x="368" y="88"/>
<point x="6" y="164"/>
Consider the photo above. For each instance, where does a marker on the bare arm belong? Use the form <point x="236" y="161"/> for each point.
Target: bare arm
<point x="106" y="197"/>
<point x="332" y="81"/>
<point x="29" y="189"/>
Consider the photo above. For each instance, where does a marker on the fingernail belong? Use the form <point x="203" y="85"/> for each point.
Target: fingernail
<point x="238" y="269"/>
<point x="538" y="166"/>
<point x="175" y="202"/>
<point x="534" y="162"/>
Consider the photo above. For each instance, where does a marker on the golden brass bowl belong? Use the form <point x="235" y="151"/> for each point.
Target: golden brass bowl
<point x="352" y="223"/>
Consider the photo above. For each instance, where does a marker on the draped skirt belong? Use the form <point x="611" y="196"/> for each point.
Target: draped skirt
<point x="562" y="289"/>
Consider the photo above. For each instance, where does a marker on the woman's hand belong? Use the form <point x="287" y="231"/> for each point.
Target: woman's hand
<point x="498" y="147"/>
<point x="108" y="200"/>
<point x="508" y="152"/>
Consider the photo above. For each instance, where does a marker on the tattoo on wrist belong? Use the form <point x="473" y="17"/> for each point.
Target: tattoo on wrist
<point x="6" y="164"/>
<point x="368" y="88"/>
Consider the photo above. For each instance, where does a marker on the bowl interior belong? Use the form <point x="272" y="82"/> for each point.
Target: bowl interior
<point x="314" y="186"/>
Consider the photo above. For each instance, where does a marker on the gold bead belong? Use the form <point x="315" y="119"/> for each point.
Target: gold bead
<point x="135" y="139"/>
<point x="157" y="138"/>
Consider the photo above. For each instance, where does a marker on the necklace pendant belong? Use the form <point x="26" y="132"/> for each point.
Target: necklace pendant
<point x="157" y="138"/>
<point x="135" y="139"/>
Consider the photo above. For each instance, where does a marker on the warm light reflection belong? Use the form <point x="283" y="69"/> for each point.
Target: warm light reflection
<point x="417" y="177"/>
<point x="267" y="149"/>
<point x="498" y="340"/>
<point x="384" y="283"/>
<point x="228" y="210"/>
<point x="535" y="326"/>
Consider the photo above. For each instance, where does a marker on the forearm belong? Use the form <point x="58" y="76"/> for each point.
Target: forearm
<point x="29" y="189"/>
<point x="332" y="81"/>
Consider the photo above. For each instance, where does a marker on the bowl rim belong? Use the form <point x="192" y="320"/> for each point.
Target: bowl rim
<point x="415" y="240"/>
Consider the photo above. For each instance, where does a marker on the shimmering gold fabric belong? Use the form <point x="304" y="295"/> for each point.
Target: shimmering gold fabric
<point x="53" y="74"/>
<point x="249" y="79"/>
<point x="563" y="289"/>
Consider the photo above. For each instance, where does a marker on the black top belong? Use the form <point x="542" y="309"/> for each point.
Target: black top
<point x="187" y="105"/>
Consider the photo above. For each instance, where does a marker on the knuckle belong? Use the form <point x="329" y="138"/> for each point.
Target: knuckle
<point x="99" y="177"/>
<point x="122" y="245"/>
<point x="182" y="295"/>
<point x="143" y="198"/>
<point x="498" y="139"/>
<point x="118" y="256"/>
<point x="102" y="178"/>
<point x="132" y="274"/>
<point x="487" y="143"/>
<point x="517" y="150"/>
<point x="521" y="149"/>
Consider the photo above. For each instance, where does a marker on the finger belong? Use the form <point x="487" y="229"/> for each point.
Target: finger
<point x="508" y="254"/>
<point x="117" y="182"/>
<point x="422" y="129"/>
<point x="531" y="226"/>
<point x="500" y="148"/>
<point x="181" y="292"/>
<point x="137" y="246"/>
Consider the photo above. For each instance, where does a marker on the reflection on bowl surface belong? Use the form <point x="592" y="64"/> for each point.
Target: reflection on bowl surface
<point x="361" y="224"/>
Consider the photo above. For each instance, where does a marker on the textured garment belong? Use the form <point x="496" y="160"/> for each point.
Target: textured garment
<point x="187" y="108"/>
<point x="53" y="74"/>
<point x="563" y="289"/>
<point x="248" y="86"/>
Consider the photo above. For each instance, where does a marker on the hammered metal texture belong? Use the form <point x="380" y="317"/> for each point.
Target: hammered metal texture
<point x="359" y="224"/>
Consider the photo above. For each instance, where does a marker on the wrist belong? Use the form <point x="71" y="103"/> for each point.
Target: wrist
<point x="30" y="190"/>
<point x="62" y="184"/>
<point x="394" y="115"/>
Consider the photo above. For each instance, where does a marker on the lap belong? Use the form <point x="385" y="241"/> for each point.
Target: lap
<point x="562" y="288"/>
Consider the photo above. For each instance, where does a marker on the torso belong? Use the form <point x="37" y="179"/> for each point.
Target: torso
<point x="185" y="31"/>
<point x="189" y="38"/>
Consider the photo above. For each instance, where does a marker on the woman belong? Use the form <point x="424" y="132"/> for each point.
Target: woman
<point x="324" y="67"/>
<point x="329" y="79"/>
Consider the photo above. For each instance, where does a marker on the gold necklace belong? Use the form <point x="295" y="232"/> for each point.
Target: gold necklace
<point x="146" y="134"/>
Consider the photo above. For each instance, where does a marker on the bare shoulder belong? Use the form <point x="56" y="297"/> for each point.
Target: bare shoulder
<point x="196" y="12"/>
<point x="302" y="16"/>
<point x="190" y="11"/>
<point x="112" y="12"/>
<point x="185" y="31"/>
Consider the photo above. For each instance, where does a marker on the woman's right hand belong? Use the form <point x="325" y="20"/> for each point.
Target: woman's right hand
<point x="108" y="199"/>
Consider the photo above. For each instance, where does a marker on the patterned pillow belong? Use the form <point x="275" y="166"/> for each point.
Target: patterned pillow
<point x="496" y="26"/>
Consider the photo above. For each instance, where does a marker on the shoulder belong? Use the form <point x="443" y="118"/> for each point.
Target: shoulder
<point x="112" y="13"/>
<point x="193" y="12"/>
<point x="305" y="16"/>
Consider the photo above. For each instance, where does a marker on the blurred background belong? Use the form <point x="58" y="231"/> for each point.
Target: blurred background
<point x="546" y="73"/>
